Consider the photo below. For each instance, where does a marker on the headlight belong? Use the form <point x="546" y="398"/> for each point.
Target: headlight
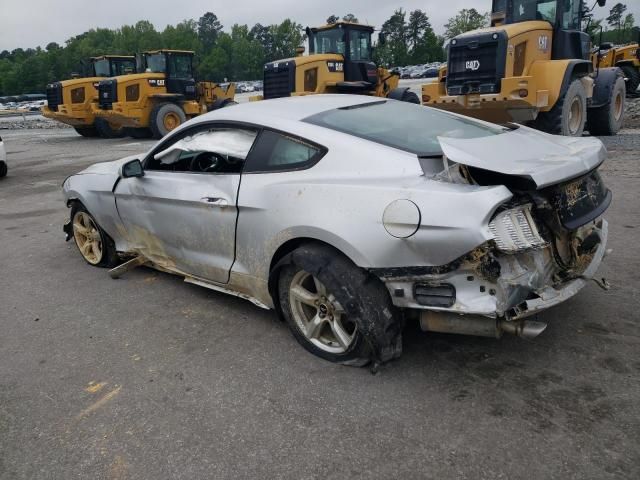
<point x="515" y="230"/>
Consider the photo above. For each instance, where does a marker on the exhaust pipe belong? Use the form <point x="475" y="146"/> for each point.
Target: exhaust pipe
<point x="447" y="322"/>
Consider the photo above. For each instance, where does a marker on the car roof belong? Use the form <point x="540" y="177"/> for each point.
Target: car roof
<point x="268" y="112"/>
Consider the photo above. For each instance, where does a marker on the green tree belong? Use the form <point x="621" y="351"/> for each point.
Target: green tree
<point x="395" y="49"/>
<point x="465" y="21"/>
<point x="332" y="19"/>
<point x="209" y="28"/>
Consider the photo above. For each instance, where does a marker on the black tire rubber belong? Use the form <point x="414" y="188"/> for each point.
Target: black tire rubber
<point x="410" y="97"/>
<point x="601" y="121"/>
<point x="633" y="75"/>
<point x="556" y="120"/>
<point x="363" y="296"/>
<point x="138" y="133"/>
<point x="3" y="169"/>
<point x="106" y="131"/>
<point x="218" y="104"/>
<point x="89" y="132"/>
<point x="110" y="257"/>
<point x="157" y="114"/>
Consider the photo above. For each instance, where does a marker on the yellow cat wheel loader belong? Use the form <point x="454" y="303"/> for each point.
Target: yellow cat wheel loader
<point x="533" y="66"/>
<point x="625" y="57"/>
<point x="162" y="96"/>
<point x="71" y="101"/>
<point x="340" y="60"/>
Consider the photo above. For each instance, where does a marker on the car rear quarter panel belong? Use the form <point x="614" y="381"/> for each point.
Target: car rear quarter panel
<point x="341" y="201"/>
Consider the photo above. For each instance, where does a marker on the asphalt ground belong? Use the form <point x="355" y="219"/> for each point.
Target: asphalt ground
<point x="147" y="377"/>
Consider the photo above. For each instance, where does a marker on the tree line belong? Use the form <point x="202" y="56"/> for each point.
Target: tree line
<point x="241" y="52"/>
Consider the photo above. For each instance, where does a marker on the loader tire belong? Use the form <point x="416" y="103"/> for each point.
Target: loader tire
<point x="607" y="120"/>
<point x="569" y="115"/>
<point x="633" y="78"/>
<point x="89" y="132"/>
<point x="137" y="133"/>
<point x="410" y="97"/>
<point x="165" y="117"/>
<point x="105" y="130"/>
<point x="221" y="103"/>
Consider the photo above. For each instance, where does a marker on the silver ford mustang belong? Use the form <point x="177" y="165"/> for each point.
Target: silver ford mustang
<point x="350" y="215"/>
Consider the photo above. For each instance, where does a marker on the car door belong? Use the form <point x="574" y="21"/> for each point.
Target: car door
<point x="182" y="213"/>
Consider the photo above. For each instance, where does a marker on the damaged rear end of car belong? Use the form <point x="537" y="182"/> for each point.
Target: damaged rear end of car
<point x="545" y="243"/>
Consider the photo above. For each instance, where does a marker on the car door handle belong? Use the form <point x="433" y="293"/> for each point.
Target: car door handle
<point x="215" y="201"/>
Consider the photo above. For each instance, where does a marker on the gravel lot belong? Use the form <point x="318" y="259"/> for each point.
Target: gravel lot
<point x="148" y="377"/>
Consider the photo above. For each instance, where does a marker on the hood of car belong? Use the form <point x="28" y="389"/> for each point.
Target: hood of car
<point x="544" y="159"/>
<point x="107" y="168"/>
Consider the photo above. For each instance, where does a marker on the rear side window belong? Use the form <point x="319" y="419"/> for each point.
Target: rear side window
<point x="279" y="152"/>
<point x="403" y="125"/>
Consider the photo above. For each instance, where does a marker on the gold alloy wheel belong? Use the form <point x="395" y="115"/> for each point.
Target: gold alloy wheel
<point x="575" y="116"/>
<point x="87" y="237"/>
<point x="171" y="121"/>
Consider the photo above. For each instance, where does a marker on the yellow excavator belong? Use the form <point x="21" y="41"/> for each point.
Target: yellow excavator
<point x="625" y="57"/>
<point x="71" y="101"/>
<point x="340" y="60"/>
<point x="161" y="96"/>
<point x="532" y="66"/>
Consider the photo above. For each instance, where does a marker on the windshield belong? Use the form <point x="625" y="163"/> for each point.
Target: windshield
<point x="414" y="128"/>
<point x="526" y="10"/>
<point x="156" y="63"/>
<point x="101" y="68"/>
<point x="329" y="41"/>
<point x="122" y="67"/>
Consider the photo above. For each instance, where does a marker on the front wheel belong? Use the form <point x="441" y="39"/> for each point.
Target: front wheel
<point x="336" y="310"/>
<point x="95" y="246"/>
<point x="107" y="130"/>
<point x="569" y="115"/>
<point x="166" y="117"/>
<point x="89" y="132"/>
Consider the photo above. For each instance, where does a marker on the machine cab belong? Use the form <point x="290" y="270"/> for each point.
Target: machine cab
<point x="565" y="16"/>
<point x="176" y="65"/>
<point x="353" y="42"/>
<point x="112" y="65"/>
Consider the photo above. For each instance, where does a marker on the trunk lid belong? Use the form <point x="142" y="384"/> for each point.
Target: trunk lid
<point x="542" y="158"/>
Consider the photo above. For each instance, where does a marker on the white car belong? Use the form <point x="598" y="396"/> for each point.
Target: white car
<point x="348" y="214"/>
<point x="3" y="159"/>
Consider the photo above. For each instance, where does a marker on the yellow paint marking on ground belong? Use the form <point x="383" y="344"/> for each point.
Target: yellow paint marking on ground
<point x="102" y="401"/>
<point x="94" y="387"/>
<point x="118" y="470"/>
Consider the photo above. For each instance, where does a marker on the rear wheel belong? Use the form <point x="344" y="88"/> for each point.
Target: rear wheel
<point x="166" y="117"/>
<point x="107" y="130"/>
<point x="3" y="169"/>
<point x="607" y="120"/>
<point x="336" y="310"/>
<point x="410" y="97"/>
<point x="633" y="78"/>
<point x="569" y="115"/>
<point x="89" y="132"/>
<point x="96" y="247"/>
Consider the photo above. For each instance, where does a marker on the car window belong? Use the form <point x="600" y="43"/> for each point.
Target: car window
<point x="403" y="125"/>
<point x="214" y="150"/>
<point x="279" y="152"/>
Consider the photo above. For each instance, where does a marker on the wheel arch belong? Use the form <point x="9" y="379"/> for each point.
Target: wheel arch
<point x="281" y="258"/>
<point x="604" y="82"/>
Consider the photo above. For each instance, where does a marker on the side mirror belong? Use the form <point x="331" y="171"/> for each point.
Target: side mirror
<point x="602" y="3"/>
<point x="132" y="168"/>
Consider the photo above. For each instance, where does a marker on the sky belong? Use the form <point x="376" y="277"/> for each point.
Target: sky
<point x="31" y="23"/>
